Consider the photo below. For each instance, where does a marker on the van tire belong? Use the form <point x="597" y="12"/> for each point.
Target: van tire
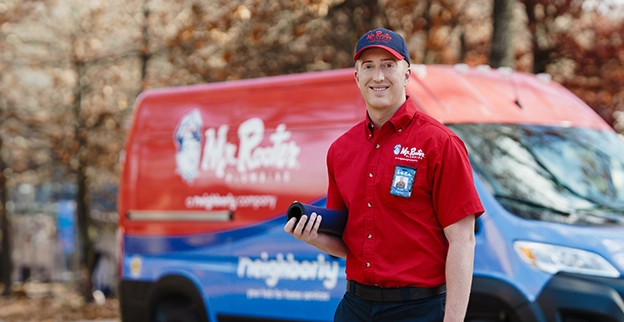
<point x="176" y="299"/>
<point x="182" y="314"/>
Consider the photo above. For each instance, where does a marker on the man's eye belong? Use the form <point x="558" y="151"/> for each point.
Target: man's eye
<point x="389" y="65"/>
<point x="368" y="67"/>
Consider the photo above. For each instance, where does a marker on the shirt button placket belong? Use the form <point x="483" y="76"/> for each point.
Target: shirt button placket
<point x="369" y="217"/>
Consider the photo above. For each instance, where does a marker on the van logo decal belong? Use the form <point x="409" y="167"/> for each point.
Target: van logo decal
<point x="245" y="162"/>
<point x="187" y="139"/>
<point x="272" y="270"/>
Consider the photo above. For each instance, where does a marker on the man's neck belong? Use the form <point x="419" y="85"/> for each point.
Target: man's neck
<point x="380" y="116"/>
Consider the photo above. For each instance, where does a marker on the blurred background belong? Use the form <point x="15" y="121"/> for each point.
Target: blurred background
<point x="71" y="70"/>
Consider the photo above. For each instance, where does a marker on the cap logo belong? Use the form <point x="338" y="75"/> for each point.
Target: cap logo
<point x="378" y="36"/>
<point x="383" y="38"/>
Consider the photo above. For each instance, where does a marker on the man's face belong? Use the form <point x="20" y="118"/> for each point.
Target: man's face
<point x="381" y="79"/>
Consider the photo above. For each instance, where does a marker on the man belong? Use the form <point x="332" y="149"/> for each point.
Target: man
<point x="409" y="249"/>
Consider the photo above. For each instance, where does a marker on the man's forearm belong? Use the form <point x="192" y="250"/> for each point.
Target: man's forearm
<point x="459" y="266"/>
<point x="307" y="231"/>
<point x="330" y="244"/>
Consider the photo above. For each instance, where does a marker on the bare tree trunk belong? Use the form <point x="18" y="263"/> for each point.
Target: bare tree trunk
<point x="86" y="255"/>
<point x="6" y="265"/>
<point x="501" y="52"/>
<point x="462" y="45"/>
<point x="429" y="54"/>
<point x="145" y="54"/>
<point x="541" y="56"/>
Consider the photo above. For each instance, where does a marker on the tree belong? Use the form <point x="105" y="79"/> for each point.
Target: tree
<point x="73" y="76"/>
<point x="8" y="14"/>
<point x="580" y="44"/>
<point x="596" y="63"/>
<point x="96" y="111"/>
<point x="502" y="53"/>
<point x="6" y="267"/>
<point x="217" y="41"/>
<point x="546" y="33"/>
<point x="145" y="53"/>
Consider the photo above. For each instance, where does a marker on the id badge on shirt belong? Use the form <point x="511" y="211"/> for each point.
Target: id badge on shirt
<point x="403" y="181"/>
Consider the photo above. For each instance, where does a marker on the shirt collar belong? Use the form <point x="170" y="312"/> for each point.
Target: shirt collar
<point x="399" y="121"/>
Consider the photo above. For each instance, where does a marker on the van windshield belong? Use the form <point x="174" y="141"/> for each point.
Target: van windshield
<point x="557" y="174"/>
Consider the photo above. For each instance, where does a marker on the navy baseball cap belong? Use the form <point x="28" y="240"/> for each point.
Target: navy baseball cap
<point x="385" y="39"/>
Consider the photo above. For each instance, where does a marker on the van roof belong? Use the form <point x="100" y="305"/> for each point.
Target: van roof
<point x="449" y="93"/>
<point x="461" y="94"/>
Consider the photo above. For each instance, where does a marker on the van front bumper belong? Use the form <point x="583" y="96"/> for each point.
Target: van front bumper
<point x="580" y="298"/>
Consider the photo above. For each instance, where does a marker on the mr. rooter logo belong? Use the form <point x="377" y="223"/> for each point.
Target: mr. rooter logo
<point x="246" y="162"/>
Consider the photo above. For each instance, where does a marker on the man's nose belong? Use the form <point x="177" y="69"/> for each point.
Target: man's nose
<point x="378" y="75"/>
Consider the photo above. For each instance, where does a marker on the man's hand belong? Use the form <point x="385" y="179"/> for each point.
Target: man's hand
<point x="307" y="231"/>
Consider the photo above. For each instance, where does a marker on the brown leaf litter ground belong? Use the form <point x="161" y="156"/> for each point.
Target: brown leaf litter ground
<point x="54" y="303"/>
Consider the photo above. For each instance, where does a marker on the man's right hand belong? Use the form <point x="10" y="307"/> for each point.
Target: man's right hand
<point x="304" y="230"/>
<point x="307" y="231"/>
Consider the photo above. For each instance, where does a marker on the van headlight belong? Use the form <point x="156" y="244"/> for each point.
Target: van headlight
<point x="552" y="259"/>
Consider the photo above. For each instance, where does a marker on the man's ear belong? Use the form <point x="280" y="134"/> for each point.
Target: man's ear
<point x="408" y="74"/>
<point x="356" y="76"/>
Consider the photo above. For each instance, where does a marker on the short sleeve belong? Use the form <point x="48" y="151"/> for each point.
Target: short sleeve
<point x="334" y="198"/>
<point x="454" y="194"/>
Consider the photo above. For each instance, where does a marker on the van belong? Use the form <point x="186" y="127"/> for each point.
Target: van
<point x="210" y="170"/>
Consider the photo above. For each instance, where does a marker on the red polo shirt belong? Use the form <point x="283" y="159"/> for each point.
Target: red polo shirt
<point x="402" y="184"/>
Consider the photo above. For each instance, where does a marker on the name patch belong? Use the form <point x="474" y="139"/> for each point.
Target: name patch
<point x="403" y="181"/>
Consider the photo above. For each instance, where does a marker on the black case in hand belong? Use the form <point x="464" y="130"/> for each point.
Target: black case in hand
<point x="333" y="222"/>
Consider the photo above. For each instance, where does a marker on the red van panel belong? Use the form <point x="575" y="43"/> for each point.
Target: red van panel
<point x="209" y="157"/>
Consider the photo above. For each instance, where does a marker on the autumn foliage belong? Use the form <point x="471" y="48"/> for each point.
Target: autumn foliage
<point x="71" y="70"/>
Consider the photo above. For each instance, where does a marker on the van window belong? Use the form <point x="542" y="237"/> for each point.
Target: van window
<point x="558" y="174"/>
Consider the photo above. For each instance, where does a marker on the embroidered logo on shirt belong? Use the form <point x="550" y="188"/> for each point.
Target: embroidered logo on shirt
<point x="408" y="153"/>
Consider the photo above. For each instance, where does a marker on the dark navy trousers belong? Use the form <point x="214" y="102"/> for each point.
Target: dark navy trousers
<point x="354" y="309"/>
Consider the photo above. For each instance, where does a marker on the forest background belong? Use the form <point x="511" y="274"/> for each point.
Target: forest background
<point x="71" y="70"/>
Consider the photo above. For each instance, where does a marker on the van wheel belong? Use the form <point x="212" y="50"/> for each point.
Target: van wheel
<point x="176" y="314"/>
